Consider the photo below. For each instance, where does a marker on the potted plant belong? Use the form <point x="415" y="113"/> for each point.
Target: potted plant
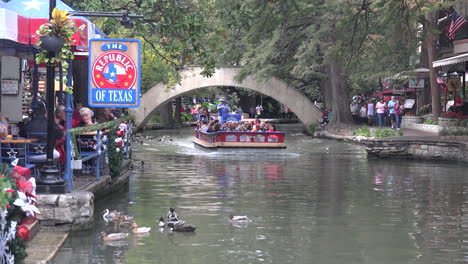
<point x="55" y="37"/>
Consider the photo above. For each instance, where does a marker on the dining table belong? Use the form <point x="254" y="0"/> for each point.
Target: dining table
<point x="16" y="140"/>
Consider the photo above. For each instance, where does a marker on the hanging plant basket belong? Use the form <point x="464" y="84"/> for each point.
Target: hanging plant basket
<point x="52" y="43"/>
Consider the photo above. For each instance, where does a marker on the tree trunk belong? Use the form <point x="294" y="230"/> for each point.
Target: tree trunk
<point x="424" y="96"/>
<point x="341" y="115"/>
<point x="325" y="87"/>
<point x="431" y="22"/>
<point x="178" y="110"/>
<point x="165" y="112"/>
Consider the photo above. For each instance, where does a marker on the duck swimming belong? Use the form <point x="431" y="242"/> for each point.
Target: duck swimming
<point x="238" y="218"/>
<point x="108" y="216"/>
<point x="113" y="236"/>
<point x="182" y="228"/>
<point x="161" y="222"/>
<point x="140" y="230"/>
<point x="177" y="223"/>
<point x="172" y="215"/>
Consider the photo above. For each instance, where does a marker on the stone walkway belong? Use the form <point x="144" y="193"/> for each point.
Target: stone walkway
<point x="419" y="135"/>
<point x="46" y="245"/>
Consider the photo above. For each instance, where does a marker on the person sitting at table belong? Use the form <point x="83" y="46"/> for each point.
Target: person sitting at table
<point x="3" y="126"/>
<point x="86" y="117"/>
<point x="76" y="117"/>
<point x="60" y="117"/>
<point x="37" y="128"/>
<point x="104" y="115"/>
<point x="60" y="142"/>
<point x="116" y="112"/>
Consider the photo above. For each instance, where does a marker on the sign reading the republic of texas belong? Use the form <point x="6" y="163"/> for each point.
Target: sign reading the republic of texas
<point x="114" y="73"/>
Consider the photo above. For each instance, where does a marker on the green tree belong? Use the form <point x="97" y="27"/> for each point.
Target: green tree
<point x="175" y="34"/>
<point x="327" y="48"/>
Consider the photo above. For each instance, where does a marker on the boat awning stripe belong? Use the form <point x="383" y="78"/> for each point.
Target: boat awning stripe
<point x="451" y="60"/>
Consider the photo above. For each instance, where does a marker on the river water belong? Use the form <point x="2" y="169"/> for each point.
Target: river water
<point x="319" y="201"/>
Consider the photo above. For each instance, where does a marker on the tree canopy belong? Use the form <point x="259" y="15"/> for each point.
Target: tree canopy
<point x="323" y="48"/>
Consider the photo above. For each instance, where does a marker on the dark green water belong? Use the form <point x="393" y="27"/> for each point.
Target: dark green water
<point x="317" y="202"/>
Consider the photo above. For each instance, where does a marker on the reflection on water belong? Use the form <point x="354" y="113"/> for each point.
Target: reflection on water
<point x="317" y="202"/>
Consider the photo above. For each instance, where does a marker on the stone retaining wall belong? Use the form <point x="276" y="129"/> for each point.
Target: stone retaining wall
<point x="417" y="149"/>
<point x="408" y="123"/>
<point x="75" y="210"/>
<point x="65" y="211"/>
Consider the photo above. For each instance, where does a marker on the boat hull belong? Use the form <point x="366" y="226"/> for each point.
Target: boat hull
<point x="255" y="140"/>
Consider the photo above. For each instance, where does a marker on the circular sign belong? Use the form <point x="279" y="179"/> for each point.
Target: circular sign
<point x="114" y="70"/>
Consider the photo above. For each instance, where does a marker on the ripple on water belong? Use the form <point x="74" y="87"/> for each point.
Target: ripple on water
<point x="319" y="201"/>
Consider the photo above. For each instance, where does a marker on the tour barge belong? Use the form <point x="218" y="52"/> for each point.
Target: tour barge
<point x="237" y="139"/>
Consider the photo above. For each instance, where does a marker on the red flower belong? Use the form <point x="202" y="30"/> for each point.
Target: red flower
<point x="24" y="186"/>
<point x="10" y="191"/>
<point x="8" y="206"/>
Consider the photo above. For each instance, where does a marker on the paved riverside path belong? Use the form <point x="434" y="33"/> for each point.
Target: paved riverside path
<point x="43" y="247"/>
<point x="419" y="135"/>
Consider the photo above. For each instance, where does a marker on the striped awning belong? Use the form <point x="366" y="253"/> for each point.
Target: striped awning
<point x="451" y="60"/>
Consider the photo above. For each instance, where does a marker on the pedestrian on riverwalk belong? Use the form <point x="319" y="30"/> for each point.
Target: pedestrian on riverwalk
<point x="391" y="109"/>
<point x="380" y="108"/>
<point x="370" y="112"/>
<point x="354" y="107"/>
<point x="363" y="113"/>
<point x="399" y="110"/>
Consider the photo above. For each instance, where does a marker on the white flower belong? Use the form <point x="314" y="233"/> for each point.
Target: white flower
<point x="26" y="204"/>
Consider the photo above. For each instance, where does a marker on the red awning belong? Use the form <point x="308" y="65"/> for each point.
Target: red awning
<point x="390" y="92"/>
<point x="13" y="26"/>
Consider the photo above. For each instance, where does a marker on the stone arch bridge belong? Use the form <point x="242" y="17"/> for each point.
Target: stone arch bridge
<point x="304" y="109"/>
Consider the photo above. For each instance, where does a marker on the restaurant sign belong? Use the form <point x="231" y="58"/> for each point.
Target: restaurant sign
<point x="416" y="83"/>
<point x="114" y="73"/>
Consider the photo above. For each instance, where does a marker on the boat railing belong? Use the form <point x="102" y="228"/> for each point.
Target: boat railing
<point x="240" y="136"/>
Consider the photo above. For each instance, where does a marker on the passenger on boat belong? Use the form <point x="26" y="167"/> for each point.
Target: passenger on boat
<point x="217" y="127"/>
<point x="224" y="127"/>
<point x="206" y="127"/>
<point x="223" y="109"/>
<point x="261" y="127"/>
<point x="257" y="121"/>
<point x="214" y="127"/>
<point x="254" y="129"/>
<point x="247" y="127"/>
<point x="203" y="125"/>
<point x="271" y="128"/>
<point x="231" y="126"/>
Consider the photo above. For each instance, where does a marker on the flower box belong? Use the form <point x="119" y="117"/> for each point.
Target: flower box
<point x="412" y="119"/>
<point x="447" y="121"/>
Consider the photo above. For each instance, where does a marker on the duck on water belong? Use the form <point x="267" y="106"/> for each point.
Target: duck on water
<point x="113" y="236"/>
<point x="238" y="218"/>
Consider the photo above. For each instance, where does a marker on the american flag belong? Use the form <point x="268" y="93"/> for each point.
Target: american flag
<point x="456" y="23"/>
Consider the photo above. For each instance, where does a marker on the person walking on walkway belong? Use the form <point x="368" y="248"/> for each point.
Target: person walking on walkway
<point x="354" y="108"/>
<point x="399" y="108"/>
<point x="370" y="112"/>
<point x="258" y="111"/>
<point x="380" y="108"/>
<point x="391" y="107"/>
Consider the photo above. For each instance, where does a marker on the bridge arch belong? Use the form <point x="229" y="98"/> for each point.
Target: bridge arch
<point x="304" y="109"/>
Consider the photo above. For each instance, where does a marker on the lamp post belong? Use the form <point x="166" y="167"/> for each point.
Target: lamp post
<point x="50" y="179"/>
